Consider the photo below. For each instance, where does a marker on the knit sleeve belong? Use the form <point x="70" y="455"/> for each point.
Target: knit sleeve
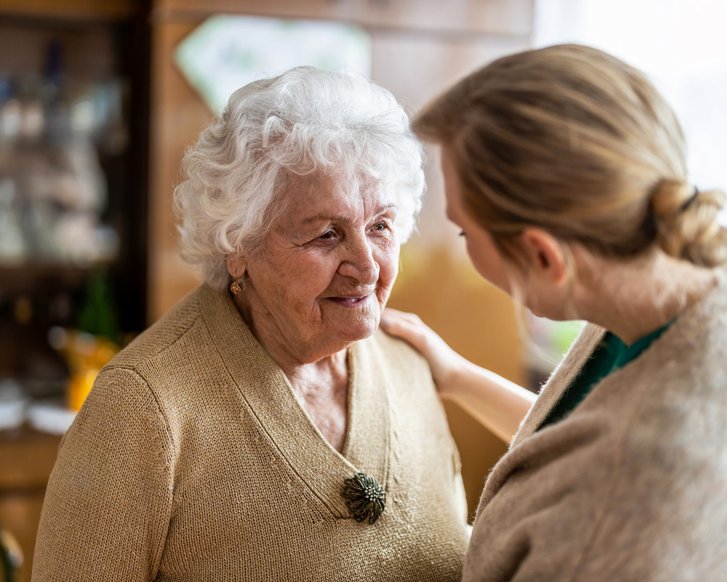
<point x="108" y="502"/>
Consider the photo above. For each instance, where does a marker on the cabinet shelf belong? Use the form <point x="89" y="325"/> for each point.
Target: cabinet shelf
<point x="71" y="9"/>
<point x="30" y="276"/>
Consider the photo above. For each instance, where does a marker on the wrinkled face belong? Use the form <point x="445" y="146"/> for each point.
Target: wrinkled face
<point x="480" y="247"/>
<point x="326" y="269"/>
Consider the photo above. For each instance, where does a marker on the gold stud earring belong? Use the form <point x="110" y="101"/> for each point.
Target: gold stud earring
<point x="235" y="288"/>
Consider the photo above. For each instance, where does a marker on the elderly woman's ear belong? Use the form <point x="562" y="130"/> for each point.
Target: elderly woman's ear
<point x="236" y="266"/>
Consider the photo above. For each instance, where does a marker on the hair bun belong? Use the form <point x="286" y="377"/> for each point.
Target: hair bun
<point x="687" y="222"/>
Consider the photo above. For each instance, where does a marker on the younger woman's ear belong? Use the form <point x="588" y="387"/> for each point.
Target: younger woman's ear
<point x="236" y="266"/>
<point x="545" y="255"/>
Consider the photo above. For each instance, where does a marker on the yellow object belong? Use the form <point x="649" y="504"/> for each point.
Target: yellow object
<point x="86" y="354"/>
<point x="11" y="556"/>
<point x="79" y="386"/>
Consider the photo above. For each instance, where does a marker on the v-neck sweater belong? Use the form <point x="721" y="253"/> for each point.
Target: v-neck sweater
<point x="192" y="459"/>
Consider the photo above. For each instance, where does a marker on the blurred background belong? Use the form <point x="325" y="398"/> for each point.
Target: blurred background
<point x="98" y="101"/>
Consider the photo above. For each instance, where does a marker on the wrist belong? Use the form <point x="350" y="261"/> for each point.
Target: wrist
<point x="449" y="376"/>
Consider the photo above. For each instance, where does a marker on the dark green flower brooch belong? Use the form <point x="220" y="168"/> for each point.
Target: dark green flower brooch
<point x="364" y="497"/>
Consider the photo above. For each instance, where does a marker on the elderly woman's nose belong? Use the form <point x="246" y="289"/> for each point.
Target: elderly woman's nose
<point x="359" y="262"/>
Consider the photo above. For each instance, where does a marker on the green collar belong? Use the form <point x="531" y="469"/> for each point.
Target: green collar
<point x="628" y="353"/>
<point x="610" y="355"/>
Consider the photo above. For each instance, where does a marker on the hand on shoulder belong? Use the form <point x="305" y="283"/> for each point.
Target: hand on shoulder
<point x="443" y="360"/>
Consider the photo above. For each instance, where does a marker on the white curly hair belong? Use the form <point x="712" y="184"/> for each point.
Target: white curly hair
<point x="304" y="121"/>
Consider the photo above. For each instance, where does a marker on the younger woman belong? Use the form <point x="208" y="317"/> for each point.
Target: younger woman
<point x="565" y="170"/>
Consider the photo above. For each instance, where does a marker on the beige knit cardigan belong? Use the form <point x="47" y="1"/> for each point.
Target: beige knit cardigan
<point x="632" y="485"/>
<point x="192" y="461"/>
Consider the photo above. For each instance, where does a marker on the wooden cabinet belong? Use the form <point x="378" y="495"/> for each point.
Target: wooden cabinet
<point x="99" y="44"/>
<point x="81" y="66"/>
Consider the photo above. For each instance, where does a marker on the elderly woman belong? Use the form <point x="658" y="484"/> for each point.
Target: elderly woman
<point x="264" y="429"/>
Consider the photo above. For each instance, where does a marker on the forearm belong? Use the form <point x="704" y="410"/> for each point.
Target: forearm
<point x="497" y="403"/>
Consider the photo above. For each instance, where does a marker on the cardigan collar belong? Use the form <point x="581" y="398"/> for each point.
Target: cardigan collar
<point x="583" y="347"/>
<point x="562" y="377"/>
<point x="269" y="395"/>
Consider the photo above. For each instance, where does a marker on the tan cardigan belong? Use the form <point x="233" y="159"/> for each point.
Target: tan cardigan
<point x="632" y="485"/>
<point x="192" y="460"/>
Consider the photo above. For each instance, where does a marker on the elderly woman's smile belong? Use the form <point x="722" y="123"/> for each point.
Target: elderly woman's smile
<point x="354" y="301"/>
<point x="325" y="270"/>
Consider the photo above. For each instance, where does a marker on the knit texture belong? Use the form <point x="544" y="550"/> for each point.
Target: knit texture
<point x="192" y="460"/>
<point x="632" y="485"/>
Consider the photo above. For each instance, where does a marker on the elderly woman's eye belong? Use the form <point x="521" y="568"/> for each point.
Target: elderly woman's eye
<point x="328" y="235"/>
<point x="381" y="226"/>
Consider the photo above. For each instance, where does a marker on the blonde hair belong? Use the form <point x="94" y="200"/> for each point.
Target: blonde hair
<point x="573" y="140"/>
<point x="306" y="121"/>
